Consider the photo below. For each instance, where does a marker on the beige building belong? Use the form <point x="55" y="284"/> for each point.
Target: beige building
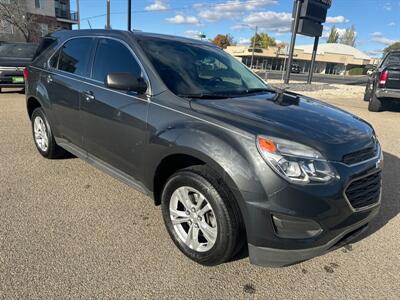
<point x="331" y="58"/>
<point x="49" y="16"/>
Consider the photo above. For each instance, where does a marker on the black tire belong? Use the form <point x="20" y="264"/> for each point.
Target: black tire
<point x="230" y="234"/>
<point x="375" y="104"/>
<point x="53" y="151"/>
<point x="367" y="94"/>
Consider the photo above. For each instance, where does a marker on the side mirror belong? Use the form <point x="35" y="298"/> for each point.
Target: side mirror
<point x="125" y="82"/>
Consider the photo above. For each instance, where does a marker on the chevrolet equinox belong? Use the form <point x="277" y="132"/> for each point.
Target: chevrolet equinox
<point x="233" y="162"/>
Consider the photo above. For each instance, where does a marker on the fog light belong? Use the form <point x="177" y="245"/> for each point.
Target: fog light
<point x="295" y="228"/>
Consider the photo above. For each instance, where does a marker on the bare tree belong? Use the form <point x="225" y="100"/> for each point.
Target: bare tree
<point x="14" y="13"/>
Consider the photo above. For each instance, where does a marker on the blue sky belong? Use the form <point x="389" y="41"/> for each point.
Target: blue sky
<point x="377" y="22"/>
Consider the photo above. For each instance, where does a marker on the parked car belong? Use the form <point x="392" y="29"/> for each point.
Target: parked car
<point x="384" y="83"/>
<point x="295" y="68"/>
<point x="14" y="57"/>
<point x="233" y="162"/>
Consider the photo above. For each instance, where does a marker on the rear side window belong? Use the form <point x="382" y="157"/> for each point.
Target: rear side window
<point x="393" y="59"/>
<point x="44" y="45"/>
<point x="75" y="56"/>
<point x="113" y="57"/>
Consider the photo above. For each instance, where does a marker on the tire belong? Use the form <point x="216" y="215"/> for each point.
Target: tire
<point x="43" y="136"/>
<point x="375" y="104"/>
<point x="367" y="94"/>
<point x="210" y="247"/>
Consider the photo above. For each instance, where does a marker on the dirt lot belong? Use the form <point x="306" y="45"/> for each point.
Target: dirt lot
<point x="69" y="231"/>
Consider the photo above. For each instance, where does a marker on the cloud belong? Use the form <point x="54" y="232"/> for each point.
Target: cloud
<point x="378" y="37"/>
<point x="387" y="6"/>
<point x="244" y="41"/>
<point x="327" y="31"/>
<point x="336" y="20"/>
<point x="375" y="53"/>
<point x="157" y="5"/>
<point x="231" y="9"/>
<point x="392" y="24"/>
<point x="181" y="19"/>
<point x="279" y="22"/>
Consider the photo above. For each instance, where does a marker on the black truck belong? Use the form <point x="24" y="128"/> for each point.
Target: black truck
<point x="14" y="57"/>
<point x="384" y="83"/>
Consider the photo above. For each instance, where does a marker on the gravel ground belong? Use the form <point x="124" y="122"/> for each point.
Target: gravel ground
<point x="69" y="231"/>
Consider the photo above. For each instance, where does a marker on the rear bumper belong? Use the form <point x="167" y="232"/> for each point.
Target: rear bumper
<point x="388" y="93"/>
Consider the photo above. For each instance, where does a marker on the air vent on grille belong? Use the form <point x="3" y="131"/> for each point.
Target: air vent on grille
<point x="364" y="191"/>
<point x="359" y="156"/>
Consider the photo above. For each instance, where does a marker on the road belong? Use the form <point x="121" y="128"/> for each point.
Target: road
<point x="68" y="230"/>
<point x="323" y="78"/>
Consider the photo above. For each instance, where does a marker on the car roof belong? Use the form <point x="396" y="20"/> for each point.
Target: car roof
<point x="65" y="34"/>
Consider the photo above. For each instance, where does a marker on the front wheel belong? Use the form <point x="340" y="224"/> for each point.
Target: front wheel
<point x="200" y="218"/>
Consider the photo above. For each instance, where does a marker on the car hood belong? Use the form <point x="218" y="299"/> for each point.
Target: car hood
<point x="328" y="129"/>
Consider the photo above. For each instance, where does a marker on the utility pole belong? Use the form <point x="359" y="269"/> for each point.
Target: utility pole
<point x="78" y="14"/>
<point x="108" y="26"/>
<point x="129" y="15"/>
<point x="293" y="40"/>
<point x="314" y="56"/>
<point x="254" y="46"/>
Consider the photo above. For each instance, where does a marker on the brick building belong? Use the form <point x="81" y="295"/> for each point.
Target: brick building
<point x="48" y="16"/>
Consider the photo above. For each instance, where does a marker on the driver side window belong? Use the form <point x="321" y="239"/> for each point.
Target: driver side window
<point x="113" y="57"/>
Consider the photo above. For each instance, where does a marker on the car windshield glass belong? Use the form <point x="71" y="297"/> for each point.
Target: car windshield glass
<point x="199" y="68"/>
<point x="17" y="50"/>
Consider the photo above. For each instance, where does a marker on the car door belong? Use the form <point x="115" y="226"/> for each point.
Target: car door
<point x="114" y="121"/>
<point x="68" y="66"/>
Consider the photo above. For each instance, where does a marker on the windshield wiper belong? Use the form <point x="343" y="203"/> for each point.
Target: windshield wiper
<point x="204" y="96"/>
<point x="258" y="90"/>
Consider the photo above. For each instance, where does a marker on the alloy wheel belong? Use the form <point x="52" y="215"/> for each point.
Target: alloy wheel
<point x="41" y="136"/>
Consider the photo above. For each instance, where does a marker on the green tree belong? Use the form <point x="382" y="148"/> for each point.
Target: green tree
<point x="393" y="47"/>
<point x="349" y="37"/>
<point x="263" y="40"/>
<point x="223" y="40"/>
<point x="333" y="36"/>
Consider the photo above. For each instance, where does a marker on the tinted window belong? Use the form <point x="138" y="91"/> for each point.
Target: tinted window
<point x="393" y="59"/>
<point x="75" y="55"/>
<point x="44" y="45"/>
<point x="198" y="68"/>
<point x="112" y="57"/>
<point x="54" y="59"/>
<point x="18" y="50"/>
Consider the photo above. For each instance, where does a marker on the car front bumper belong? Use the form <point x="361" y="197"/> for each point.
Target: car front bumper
<point x="315" y="219"/>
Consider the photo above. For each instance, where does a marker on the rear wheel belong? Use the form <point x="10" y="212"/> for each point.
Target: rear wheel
<point x="375" y="104"/>
<point x="201" y="221"/>
<point x="43" y="136"/>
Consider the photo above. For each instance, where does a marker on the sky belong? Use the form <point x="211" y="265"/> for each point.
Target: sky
<point x="377" y="22"/>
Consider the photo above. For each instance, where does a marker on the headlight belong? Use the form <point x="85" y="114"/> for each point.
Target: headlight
<point x="295" y="162"/>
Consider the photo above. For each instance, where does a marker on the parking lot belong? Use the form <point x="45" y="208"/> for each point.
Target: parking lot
<point x="68" y="230"/>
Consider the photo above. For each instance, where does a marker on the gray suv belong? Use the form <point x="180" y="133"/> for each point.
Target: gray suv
<point x="234" y="163"/>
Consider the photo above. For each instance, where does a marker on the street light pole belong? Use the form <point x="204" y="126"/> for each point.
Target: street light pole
<point x="293" y="40"/>
<point x="313" y="58"/>
<point x="108" y="26"/>
<point x="254" y="46"/>
<point x="78" y="14"/>
<point x="129" y="15"/>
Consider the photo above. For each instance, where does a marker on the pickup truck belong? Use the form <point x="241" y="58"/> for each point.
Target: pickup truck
<point x="384" y="84"/>
<point x="14" y="57"/>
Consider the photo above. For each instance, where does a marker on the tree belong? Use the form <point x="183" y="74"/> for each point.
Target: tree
<point x="333" y="36"/>
<point x="14" y="14"/>
<point x="223" y="40"/>
<point x="263" y="40"/>
<point x="393" y="47"/>
<point x="349" y="37"/>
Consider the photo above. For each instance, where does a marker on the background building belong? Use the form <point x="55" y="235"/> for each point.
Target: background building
<point x="48" y="16"/>
<point x="331" y="58"/>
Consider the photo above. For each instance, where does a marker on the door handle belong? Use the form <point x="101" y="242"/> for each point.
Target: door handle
<point x="49" y="79"/>
<point x="88" y="96"/>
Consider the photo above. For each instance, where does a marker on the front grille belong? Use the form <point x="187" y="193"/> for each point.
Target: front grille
<point x="359" y="156"/>
<point x="364" y="191"/>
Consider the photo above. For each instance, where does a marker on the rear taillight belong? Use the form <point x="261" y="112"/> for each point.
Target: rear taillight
<point x="383" y="77"/>
<point x="26" y="74"/>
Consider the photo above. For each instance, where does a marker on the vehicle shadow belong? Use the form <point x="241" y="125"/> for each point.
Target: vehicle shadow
<point x="393" y="106"/>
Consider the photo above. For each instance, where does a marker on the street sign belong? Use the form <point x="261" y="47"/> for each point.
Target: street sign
<point x="310" y="28"/>
<point x="312" y="14"/>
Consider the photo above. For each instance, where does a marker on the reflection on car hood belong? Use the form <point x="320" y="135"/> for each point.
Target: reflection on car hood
<point x="332" y="131"/>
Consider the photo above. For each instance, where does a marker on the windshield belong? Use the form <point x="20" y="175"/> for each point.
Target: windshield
<point x="190" y="69"/>
<point x="17" y="50"/>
